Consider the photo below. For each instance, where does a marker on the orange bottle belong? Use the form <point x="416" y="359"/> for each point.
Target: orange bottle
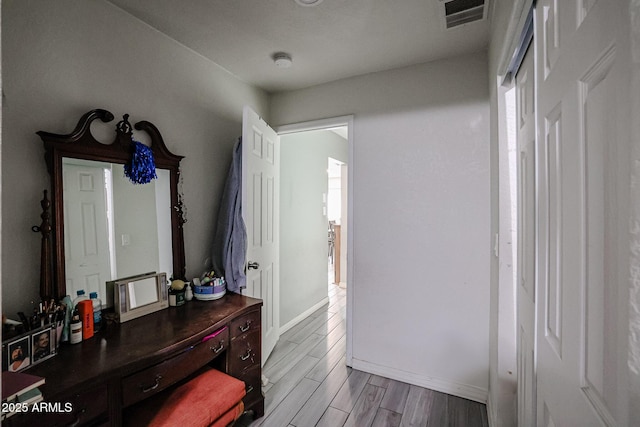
<point x="85" y="309"/>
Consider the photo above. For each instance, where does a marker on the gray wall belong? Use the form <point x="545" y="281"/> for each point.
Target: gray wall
<point x="421" y="217"/>
<point x="61" y="59"/>
<point x="303" y="227"/>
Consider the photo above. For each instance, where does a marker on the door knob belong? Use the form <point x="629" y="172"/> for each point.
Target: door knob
<point x="252" y="265"/>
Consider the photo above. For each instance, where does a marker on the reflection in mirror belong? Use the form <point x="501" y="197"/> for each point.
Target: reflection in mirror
<point x="142" y="292"/>
<point x="123" y="229"/>
<point x="113" y="228"/>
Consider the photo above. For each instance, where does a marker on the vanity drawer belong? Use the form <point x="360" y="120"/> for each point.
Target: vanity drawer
<point x="213" y="344"/>
<point x="152" y="380"/>
<point x="252" y="378"/>
<point x="244" y="352"/>
<point x="245" y="324"/>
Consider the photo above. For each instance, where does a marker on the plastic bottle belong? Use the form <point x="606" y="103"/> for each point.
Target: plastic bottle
<point x="85" y="310"/>
<point x="97" y="311"/>
<point x="81" y="297"/>
<point x="188" y="295"/>
<point x="76" y="329"/>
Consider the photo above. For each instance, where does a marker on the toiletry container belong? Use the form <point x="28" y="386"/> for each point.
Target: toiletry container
<point x="76" y="330"/>
<point x="85" y="310"/>
<point x="81" y="297"/>
<point x="188" y="294"/>
<point x="97" y="311"/>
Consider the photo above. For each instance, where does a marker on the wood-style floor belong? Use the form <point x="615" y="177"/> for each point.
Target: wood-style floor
<point x="310" y="385"/>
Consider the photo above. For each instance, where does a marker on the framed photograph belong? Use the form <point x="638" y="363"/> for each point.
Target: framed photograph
<point x="19" y="354"/>
<point x="30" y="348"/>
<point x="43" y="344"/>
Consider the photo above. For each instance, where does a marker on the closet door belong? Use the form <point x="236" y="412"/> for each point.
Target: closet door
<point x="525" y="289"/>
<point x="582" y="155"/>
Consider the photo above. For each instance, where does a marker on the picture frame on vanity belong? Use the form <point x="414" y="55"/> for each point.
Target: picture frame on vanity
<point x="29" y="349"/>
<point x="18" y="354"/>
<point x="43" y="344"/>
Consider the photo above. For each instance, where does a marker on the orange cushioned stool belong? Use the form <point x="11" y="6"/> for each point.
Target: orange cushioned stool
<point x="211" y="399"/>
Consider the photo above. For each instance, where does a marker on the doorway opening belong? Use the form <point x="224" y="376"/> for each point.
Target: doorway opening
<point x="336" y="216"/>
<point x="315" y="202"/>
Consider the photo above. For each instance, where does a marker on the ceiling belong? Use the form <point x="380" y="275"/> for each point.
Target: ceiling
<point x="333" y="40"/>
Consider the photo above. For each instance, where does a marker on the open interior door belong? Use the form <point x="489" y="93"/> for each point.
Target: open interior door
<point x="260" y="211"/>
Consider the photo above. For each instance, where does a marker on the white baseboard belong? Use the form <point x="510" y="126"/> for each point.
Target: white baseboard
<point x="466" y="391"/>
<point x="299" y="318"/>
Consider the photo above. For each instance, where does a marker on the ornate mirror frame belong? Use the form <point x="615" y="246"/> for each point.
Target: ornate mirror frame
<point x="80" y="144"/>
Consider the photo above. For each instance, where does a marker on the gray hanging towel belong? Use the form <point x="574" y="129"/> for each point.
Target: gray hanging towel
<point x="230" y="241"/>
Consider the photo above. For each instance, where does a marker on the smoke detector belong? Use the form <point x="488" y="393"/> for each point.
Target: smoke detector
<point x="282" y="60"/>
<point x="308" y="2"/>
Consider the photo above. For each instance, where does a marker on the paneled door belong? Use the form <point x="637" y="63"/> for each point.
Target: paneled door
<point x="582" y="158"/>
<point x="525" y="289"/>
<point x="260" y="211"/>
<point x="87" y="252"/>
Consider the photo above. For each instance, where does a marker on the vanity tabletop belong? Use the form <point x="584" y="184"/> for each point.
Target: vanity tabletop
<point x="121" y="349"/>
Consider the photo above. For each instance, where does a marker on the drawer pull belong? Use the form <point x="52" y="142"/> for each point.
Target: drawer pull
<point x="246" y="356"/>
<point x="246" y="326"/>
<point x="218" y="349"/>
<point x="79" y="414"/>
<point x="153" y="387"/>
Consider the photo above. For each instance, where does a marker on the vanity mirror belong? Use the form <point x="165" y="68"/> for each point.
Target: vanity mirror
<point x="105" y="226"/>
<point x="138" y="296"/>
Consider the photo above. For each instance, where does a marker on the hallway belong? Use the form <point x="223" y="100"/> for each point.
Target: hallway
<point x="309" y="384"/>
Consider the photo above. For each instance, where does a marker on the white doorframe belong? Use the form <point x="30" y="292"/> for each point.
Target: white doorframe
<point x="324" y="124"/>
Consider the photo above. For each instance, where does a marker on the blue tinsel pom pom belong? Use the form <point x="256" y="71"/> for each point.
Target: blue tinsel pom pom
<point x="142" y="168"/>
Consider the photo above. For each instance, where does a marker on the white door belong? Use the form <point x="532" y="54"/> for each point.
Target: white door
<point x="87" y="243"/>
<point x="525" y="289"/>
<point x="582" y="80"/>
<point x="260" y="211"/>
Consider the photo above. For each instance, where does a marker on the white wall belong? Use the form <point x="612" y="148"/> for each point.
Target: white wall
<point x="421" y="224"/>
<point x="303" y="226"/>
<point x="142" y="254"/>
<point x="61" y="59"/>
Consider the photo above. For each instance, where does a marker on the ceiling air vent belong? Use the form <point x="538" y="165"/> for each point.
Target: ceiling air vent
<point x="459" y="12"/>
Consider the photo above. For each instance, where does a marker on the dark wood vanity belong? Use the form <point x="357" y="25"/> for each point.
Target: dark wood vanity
<point x="128" y="367"/>
<point x="128" y="364"/>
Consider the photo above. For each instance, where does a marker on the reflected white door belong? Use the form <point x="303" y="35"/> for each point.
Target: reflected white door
<point x="582" y="155"/>
<point x="87" y="242"/>
<point x="260" y="211"/>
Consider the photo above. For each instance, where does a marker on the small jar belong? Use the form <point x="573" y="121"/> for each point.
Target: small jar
<point x="176" y="298"/>
<point x="76" y="330"/>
